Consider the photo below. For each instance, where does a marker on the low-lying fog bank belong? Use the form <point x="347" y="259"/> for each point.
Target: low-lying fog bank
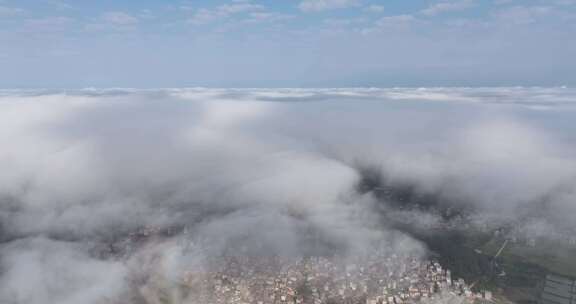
<point x="189" y="174"/>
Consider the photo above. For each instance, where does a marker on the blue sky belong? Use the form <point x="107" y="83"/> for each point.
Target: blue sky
<point x="283" y="43"/>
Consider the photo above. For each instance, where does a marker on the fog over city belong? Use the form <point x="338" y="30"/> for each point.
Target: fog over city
<point x="288" y="173"/>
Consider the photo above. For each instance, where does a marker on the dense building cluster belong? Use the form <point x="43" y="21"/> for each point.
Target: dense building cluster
<point x="374" y="279"/>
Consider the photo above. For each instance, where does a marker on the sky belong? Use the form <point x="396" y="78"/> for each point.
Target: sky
<point x="289" y="43"/>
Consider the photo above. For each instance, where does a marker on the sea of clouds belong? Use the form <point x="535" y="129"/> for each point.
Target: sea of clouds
<point x="260" y="168"/>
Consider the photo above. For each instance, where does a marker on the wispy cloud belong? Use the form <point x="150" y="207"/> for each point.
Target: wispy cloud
<point x="519" y="15"/>
<point x="119" y="18"/>
<point x="324" y="5"/>
<point x="447" y="6"/>
<point x="48" y="24"/>
<point x="61" y="5"/>
<point x="374" y="8"/>
<point x="114" y="21"/>
<point x="223" y="12"/>
<point x="397" y="22"/>
<point x="6" y="11"/>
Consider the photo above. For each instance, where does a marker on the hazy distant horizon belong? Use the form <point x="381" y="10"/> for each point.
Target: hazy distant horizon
<point x="145" y="88"/>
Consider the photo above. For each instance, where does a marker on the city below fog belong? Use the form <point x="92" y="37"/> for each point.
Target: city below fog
<point x="400" y="195"/>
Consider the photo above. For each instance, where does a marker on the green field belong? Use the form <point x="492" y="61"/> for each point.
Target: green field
<point x="549" y="255"/>
<point x="517" y="274"/>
